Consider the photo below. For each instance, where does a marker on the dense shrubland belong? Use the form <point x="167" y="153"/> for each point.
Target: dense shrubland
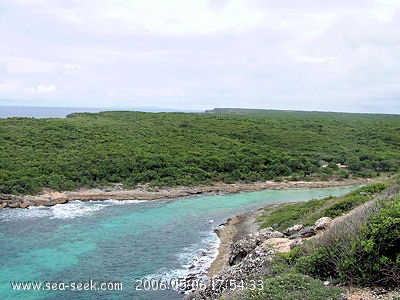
<point x="169" y="149"/>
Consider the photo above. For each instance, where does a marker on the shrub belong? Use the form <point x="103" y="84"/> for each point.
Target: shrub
<point x="286" y="215"/>
<point x="381" y="244"/>
<point x="306" y="213"/>
<point x="353" y="199"/>
<point x="363" y="249"/>
<point x="291" y="285"/>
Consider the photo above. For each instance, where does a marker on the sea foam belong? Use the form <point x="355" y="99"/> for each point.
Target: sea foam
<point x="14" y="214"/>
<point x="195" y="260"/>
<point x="70" y="210"/>
<point x="74" y="209"/>
<point x="121" y="202"/>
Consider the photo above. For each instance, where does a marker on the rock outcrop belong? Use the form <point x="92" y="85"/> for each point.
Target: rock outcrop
<point x="306" y="232"/>
<point x="25" y="201"/>
<point x="248" y="259"/>
<point x="323" y="223"/>
<point x="293" y="229"/>
<point x="245" y="246"/>
<point x="249" y="267"/>
<point x="251" y="254"/>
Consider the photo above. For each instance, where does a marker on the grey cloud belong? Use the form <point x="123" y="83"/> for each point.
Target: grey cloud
<point x="325" y="55"/>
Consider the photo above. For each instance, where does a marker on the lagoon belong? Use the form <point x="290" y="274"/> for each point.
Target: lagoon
<point x="118" y="241"/>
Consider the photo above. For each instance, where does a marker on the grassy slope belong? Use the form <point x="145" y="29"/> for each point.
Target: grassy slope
<point x="306" y="213"/>
<point x="185" y="149"/>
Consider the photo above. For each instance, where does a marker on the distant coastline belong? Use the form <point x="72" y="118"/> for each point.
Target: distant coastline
<point x="40" y="112"/>
<point x="145" y="192"/>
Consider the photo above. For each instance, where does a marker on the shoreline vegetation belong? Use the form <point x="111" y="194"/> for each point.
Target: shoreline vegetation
<point x="285" y="254"/>
<point x="146" y="192"/>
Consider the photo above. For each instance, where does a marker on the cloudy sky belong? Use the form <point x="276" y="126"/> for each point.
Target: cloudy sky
<point x="329" y="55"/>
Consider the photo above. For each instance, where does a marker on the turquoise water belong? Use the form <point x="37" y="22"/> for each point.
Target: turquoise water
<point x="109" y="241"/>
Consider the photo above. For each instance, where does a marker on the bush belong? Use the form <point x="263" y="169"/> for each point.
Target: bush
<point x="364" y="249"/>
<point x="291" y="285"/>
<point x="353" y="199"/>
<point x="381" y="244"/>
<point x="287" y="215"/>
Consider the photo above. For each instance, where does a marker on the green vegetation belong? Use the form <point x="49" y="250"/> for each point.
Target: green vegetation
<point x="169" y="149"/>
<point x="306" y="213"/>
<point x="284" y="282"/>
<point x="363" y="249"/>
<point x="287" y="215"/>
<point x="352" y="200"/>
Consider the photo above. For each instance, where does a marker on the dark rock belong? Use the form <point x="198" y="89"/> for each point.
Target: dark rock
<point x="24" y="205"/>
<point x="304" y="233"/>
<point x="293" y="229"/>
<point x="295" y="243"/>
<point x="14" y="203"/>
<point x="381" y="292"/>
<point x="5" y="197"/>
<point x="72" y="115"/>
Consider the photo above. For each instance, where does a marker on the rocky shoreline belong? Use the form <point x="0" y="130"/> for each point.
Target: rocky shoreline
<point x="230" y="233"/>
<point x="245" y="251"/>
<point x="145" y="192"/>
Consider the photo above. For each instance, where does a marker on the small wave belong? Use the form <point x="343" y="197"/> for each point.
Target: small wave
<point x="195" y="260"/>
<point x="74" y="209"/>
<point x="13" y="214"/>
<point x="69" y="210"/>
<point x="121" y="202"/>
<point x="198" y="258"/>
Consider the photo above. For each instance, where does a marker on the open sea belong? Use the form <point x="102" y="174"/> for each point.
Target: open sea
<point x="42" y="112"/>
<point x="69" y="250"/>
<point x="61" y="112"/>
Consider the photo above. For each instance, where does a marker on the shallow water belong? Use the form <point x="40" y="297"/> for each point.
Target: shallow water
<point x="103" y="241"/>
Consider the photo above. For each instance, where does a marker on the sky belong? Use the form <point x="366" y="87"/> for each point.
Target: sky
<point x="325" y="55"/>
